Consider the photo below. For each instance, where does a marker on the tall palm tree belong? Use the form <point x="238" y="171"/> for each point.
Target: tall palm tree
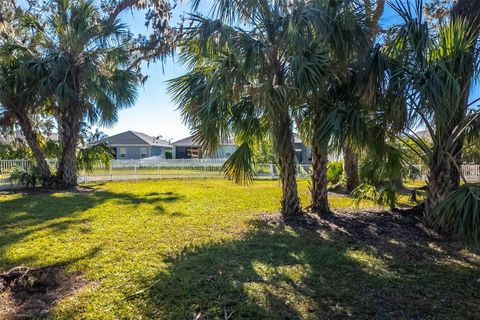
<point x="469" y="12"/>
<point x="85" y="69"/>
<point x="373" y="12"/>
<point x="246" y="69"/>
<point x="345" y="29"/>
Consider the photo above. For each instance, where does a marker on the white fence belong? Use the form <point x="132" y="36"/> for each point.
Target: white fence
<point x="149" y="169"/>
<point x="471" y="172"/>
<point x="177" y="169"/>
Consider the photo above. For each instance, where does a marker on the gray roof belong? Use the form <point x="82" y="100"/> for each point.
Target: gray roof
<point x="190" y="142"/>
<point x="133" y="138"/>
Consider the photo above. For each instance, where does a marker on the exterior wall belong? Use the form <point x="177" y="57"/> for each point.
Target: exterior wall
<point x="303" y="153"/>
<point x="224" y="151"/>
<point x="133" y="152"/>
<point x="159" y="151"/>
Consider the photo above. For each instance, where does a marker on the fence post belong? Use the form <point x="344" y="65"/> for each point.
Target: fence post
<point x="272" y="169"/>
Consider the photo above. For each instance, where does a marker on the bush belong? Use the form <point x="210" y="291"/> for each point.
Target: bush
<point x="385" y="195"/>
<point x="168" y="155"/>
<point x="335" y="172"/>
<point x="88" y="158"/>
<point x="459" y="213"/>
<point x="25" y="178"/>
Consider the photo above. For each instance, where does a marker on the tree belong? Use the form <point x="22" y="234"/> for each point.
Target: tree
<point x="246" y="70"/>
<point x="345" y="29"/>
<point x="19" y="102"/>
<point x="373" y="12"/>
<point x="85" y="70"/>
<point x="90" y="62"/>
<point x="469" y="13"/>
<point x="423" y="71"/>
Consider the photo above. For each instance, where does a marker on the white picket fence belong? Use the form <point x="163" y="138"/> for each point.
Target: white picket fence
<point x="178" y="169"/>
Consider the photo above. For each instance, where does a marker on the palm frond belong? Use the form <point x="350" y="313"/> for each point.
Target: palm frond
<point x="239" y="167"/>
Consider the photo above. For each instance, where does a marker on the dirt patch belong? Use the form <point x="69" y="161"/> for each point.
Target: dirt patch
<point x="32" y="292"/>
<point x="362" y="225"/>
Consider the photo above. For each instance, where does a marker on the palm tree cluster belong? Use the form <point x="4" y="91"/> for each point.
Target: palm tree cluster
<point x="75" y="62"/>
<point x="262" y="67"/>
<point x="328" y="70"/>
<point x="258" y="71"/>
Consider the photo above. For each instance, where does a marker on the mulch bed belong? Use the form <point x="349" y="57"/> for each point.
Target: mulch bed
<point x="32" y="292"/>
<point x="380" y="230"/>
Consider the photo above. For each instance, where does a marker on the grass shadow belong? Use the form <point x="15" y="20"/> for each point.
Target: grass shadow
<point x="275" y="272"/>
<point x="58" y="213"/>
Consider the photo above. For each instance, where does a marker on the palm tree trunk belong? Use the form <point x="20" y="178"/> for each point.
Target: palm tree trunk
<point x="318" y="188"/>
<point x="31" y="138"/>
<point x="439" y="181"/>
<point x="283" y="139"/>
<point x="70" y="131"/>
<point x="350" y="167"/>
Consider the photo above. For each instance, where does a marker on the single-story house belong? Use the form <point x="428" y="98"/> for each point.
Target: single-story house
<point x="136" y="145"/>
<point x="188" y="148"/>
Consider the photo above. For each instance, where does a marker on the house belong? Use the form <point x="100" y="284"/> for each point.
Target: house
<point x="136" y="145"/>
<point x="303" y="153"/>
<point x="7" y="137"/>
<point x="188" y="148"/>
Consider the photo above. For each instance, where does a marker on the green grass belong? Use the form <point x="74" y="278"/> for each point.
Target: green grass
<point x="190" y="247"/>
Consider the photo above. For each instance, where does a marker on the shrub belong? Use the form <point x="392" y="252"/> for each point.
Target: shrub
<point x="335" y="172"/>
<point x="385" y="195"/>
<point x="98" y="154"/>
<point x="26" y="178"/>
<point x="459" y="213"/>
<point x="168" y="155"/>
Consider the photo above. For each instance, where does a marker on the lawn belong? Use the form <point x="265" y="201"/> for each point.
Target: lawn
<point x="180" y="249"/>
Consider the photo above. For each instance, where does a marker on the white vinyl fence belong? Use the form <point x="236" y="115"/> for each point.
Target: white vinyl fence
<point x="178" y="169"/>
<point x="471" y="172"/>
<point x="148" y="169"/>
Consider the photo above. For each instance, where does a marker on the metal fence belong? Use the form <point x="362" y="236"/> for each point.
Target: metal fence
<point x="179" y="169"/>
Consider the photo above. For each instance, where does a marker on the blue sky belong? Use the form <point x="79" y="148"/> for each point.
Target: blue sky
<point x="154" y="113"/>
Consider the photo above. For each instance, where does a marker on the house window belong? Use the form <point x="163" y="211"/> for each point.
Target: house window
<point x="122" y="152"/>
<point x="143" y="152"/>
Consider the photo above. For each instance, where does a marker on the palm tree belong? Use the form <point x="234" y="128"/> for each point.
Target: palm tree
<point x="469" y="12"/>
<point x="345" y="29"/>
<point x="85" y="69"/>
<point x="372" y="23"/>
<point x="247" y="68"/>
<point x="19" y="103"/>
<point x="423" y="74"/>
